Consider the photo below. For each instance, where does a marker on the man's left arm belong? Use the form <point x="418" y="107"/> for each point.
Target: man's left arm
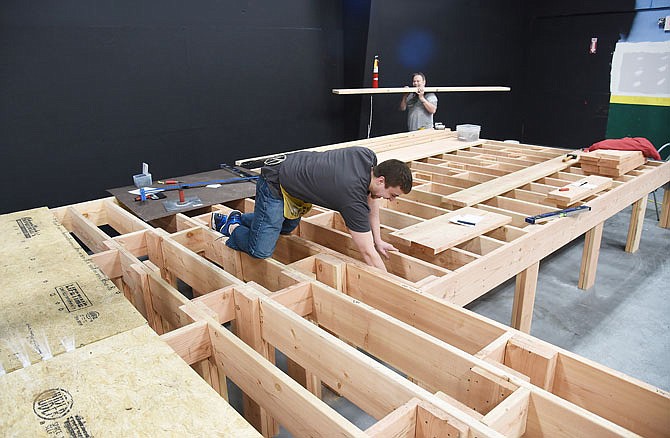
<point x="381" y="246"/>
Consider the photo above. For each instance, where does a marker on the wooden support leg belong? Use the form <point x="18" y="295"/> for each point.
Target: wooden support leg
<point x="524" y="298"/>
<point x="665" y="209"/>
<point x="587" y="272"/>
<point x="636" y="223"/>
<point x="247" y="316"/>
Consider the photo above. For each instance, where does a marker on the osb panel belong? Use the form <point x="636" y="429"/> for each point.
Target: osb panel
<point x="51" y="294"/>
<point x="131" y="384"/>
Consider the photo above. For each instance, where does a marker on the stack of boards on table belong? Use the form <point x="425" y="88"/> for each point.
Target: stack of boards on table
<point x="611" y="163"/>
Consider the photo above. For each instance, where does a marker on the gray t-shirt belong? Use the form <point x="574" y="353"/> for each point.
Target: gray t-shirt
<point x="338" y="179"/>
<point x="417" y="116"/>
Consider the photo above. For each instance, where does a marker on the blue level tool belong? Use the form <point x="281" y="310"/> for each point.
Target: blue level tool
<point x="559" y="213"/>
<point x="144" y="191"/>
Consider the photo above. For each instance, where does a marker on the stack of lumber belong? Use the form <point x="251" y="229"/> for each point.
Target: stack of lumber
<point x="611" y="163"/>
<point x="578" y="190"/>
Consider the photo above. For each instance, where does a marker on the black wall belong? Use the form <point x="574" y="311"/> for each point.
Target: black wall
<point x="566" y="89"/>
<point x="89" y="89"/>
<point x="454" y="43"/>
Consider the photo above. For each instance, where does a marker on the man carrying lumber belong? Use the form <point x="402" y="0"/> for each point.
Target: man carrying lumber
<point x="347" y="180"/>
<point x="420" y="106"/>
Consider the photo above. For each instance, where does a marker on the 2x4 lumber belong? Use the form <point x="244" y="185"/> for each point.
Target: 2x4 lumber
<point x="518" y="206"/>
<point x="456" y="326"/>
<point x="353" y="374"/>
<point x="197" y="272"/>
<point x="517" y="219"/>
<point x="436" y="147"/>
<point x="481" y="245"/>
<point x="413" y="89"/>
<point x="401" y="423"/>
<point x="298" y="298"/>
<point x="414" y="208"/>
<point x="330" y="271"/>
<point x="220" y="301"/>
<point x="135" y="242"/>
<point x="528" y="196"/>
<point x="436" y="364"/>
<point x="94" y="211"/>
<point x="636" y="224"/>
<point x="536" y="360"/>
<point x="380" y="144"/>
<point x="397" y="263"/>
<point x="191" y="238"/>
<point x="396" y="220"/>
<point x="505" y="183"/>
<point x="590" y="254"/>
<point x="489" y="153"/>
<point x="122" y="220"/>
<point x="166" y="302"/>
<point x="296" y="409"/>
<point x="191" y="342"/>
<point x="664" y="221"/>
<point x="248" y="328"/>
<point x="524" y="298"/>
<point x="495" y="158"/>
<point x="551" y="417"/>
<point x="432" y="422"/>
<point x="108" y="262"/>
<point x="443" y="171"/>
<point x="509" y="417"/>
<point x="632" y="404"/>
<point x="468" y="283"/>
<point x="577" y="380"/>
<point x="85" y="230"/>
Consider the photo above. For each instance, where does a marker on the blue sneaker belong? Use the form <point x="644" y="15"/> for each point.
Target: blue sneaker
<point x="221" y="222"/>
<point x="217" y="220"/>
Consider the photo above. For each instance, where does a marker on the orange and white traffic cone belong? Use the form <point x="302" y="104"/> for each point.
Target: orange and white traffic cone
<point x="375" y="73"/>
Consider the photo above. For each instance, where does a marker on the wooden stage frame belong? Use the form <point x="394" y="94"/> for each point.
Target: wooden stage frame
<point x="454" y="373"/>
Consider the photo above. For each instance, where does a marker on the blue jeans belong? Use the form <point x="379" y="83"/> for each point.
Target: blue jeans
<point x="259" y="231"/>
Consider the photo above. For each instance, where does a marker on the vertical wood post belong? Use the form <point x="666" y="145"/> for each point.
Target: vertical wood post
<point x="524" y="298"/>
<point x="587" y="272"/>
<point x="635" y="226"/>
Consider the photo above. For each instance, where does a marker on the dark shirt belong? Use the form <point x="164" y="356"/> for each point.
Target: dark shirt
<point x="338" y="179"/>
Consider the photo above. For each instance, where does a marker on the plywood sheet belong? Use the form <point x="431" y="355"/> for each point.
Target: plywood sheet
<point x="52" y="295"/>
<point x="580" y="189"/>
<point x="131" y="384"/>
<point x="439" y="234"/>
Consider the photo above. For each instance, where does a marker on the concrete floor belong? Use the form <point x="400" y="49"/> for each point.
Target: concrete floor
<point x="622" y="322"/>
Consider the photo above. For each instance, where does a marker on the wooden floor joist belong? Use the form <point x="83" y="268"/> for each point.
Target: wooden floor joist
<point x="342" y="323"/>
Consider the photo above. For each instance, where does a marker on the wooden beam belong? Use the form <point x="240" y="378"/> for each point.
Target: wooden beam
<point x="299" y="411"/>
<point x="636" y="224"/>
<point x="509" y="417"/>
<point x="191" y="342"/>
<point x="401" y="423"/>
<point x="413" y="90"/>
<point x="664" y="222"/>
<point x="506" y="183"/>
<point x="524" y="298"/>
<point x="587" y="271"/>
<point x="534" y="359"/>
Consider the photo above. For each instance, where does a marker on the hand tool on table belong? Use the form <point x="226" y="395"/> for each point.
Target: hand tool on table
<point x="555" y="214"/>
<point x="570" y="156"/>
